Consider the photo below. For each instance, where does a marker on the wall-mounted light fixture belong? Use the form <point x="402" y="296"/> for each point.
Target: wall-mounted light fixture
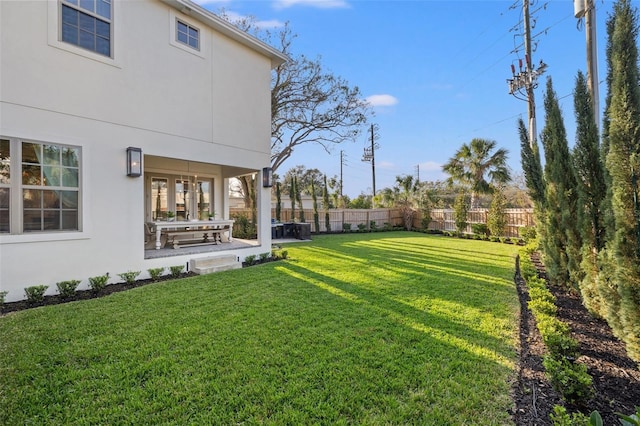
<point x="134" y="162"/>
<point x="267" y="177"/>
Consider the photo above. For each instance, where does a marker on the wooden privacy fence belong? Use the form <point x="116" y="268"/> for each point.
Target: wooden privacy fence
<point x="444" y="220"/>
<point x="441" y="219"/>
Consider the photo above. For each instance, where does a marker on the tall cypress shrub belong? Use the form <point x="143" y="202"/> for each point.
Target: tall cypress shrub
<point x="278" y="201"/>
<point x="316" y="215"/>
<point x="534" y="177"/>
<point x="561" y="242"/>
<point x="531" y="166"/>
<point x="292" y="196"/>
<point x="623" y="164"/>
<point x="497" y="219"/>
<point x="325" y="202"/>
<point x="461" y="211"/>
<point x="592" y="188"/>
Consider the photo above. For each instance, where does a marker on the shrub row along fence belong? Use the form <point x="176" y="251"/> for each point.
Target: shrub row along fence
<point x="441" y="219"/>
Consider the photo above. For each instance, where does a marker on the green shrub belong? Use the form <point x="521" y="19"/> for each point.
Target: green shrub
<point x="250" y="259"/>
<point x="536" y="282"/>
<point x="155" y="273"/>
<point x="562" y="345"/>
<point x="527" y="233"/>
<point x="264" y="256"/>
<point x="67" y="288"/>
<point x="97" y="283"/>
<point x="544" y="307"/>
<point x="480" y="229"/>
<point x="387" y="226"/>
<point x="346" y="227"/>
<point x="362" y="227"/>
<point x="560" y="417"/>
<point x="176" y="270"/>
<point x="35" y="294"/>
<point x="130" y="276"/>
<point x="284" y="254"/>
<point x="373" y="226"/>
<point x="570" y="379"/>
<point x="243" y="227"/>
<point x="3" y="294"/>
<point x="542" y="294"/>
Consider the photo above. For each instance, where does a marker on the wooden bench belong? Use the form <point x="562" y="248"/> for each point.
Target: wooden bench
<point x="209" y="236"/>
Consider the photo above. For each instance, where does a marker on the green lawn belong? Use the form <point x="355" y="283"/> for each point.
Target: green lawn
<point x="381" y="328"/>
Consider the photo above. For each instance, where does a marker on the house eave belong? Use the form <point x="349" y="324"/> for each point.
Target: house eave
<point x="215" y="22"/>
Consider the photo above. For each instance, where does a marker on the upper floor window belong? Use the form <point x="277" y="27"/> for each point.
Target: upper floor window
<point x="188" y="35"/>
<point x="87" y="23"/>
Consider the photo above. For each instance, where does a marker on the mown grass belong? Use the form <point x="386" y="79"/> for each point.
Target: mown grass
<point x="382" y="328"/>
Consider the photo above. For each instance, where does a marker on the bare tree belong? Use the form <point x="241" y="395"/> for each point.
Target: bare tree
<point x="308" y="104"/>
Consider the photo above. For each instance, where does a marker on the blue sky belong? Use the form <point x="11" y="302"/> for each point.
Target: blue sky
<point x="435" y="72"/>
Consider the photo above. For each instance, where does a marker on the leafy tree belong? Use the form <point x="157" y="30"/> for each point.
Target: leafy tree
<point x="472" y="164"/>
<point x="561" y="242"/>
<point x="623" y="164"/>
<point x="362" y="201"/>
<point x="497" y="219"/>
<point x="591" y="188"/>
<point x="461" y="211"/>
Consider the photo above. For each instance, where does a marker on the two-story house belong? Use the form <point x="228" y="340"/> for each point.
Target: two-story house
<point x="94" y="93"/>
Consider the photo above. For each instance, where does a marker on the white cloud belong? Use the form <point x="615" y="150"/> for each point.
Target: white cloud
<point x="385" y="164"/>
<point x="430" y="166"/>
<point x="382" y="100"/>
<point x="320" y="4"/>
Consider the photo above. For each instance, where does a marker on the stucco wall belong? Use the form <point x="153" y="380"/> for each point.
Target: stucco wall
<point x="211" y="107"/>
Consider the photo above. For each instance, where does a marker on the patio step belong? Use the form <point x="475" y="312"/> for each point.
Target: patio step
<point x="209" y="265"/>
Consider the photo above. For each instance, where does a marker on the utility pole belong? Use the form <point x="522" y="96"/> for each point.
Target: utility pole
<point x="370" y="156"/>
<point x="341" y="164"/>
<point x="528" y="78"/>
<point x="586" y="9"/>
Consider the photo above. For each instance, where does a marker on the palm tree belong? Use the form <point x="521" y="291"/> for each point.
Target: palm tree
<point x="473" y="163"/>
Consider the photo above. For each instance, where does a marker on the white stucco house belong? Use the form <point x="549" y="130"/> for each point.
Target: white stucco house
<point x="81" y="81"/>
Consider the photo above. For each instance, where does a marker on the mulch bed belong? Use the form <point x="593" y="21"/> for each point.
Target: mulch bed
<point x="86" y="294"/>
<point x="616" y="378"/>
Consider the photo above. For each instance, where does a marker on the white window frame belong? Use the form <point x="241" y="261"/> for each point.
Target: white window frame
<point x="16" y="187"/>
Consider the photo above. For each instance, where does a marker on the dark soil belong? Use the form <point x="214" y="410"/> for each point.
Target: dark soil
<point x="616" y="378"/>
<point x="86" y="294"/>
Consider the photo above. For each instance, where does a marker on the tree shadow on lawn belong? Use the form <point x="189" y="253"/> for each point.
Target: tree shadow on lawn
<point x="455" y="334"/>
<point x="425" y="268"/>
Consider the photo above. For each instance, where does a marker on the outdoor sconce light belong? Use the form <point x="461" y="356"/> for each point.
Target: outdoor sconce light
<point x="134" y="162"/>
<point x="267" y="177"/>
